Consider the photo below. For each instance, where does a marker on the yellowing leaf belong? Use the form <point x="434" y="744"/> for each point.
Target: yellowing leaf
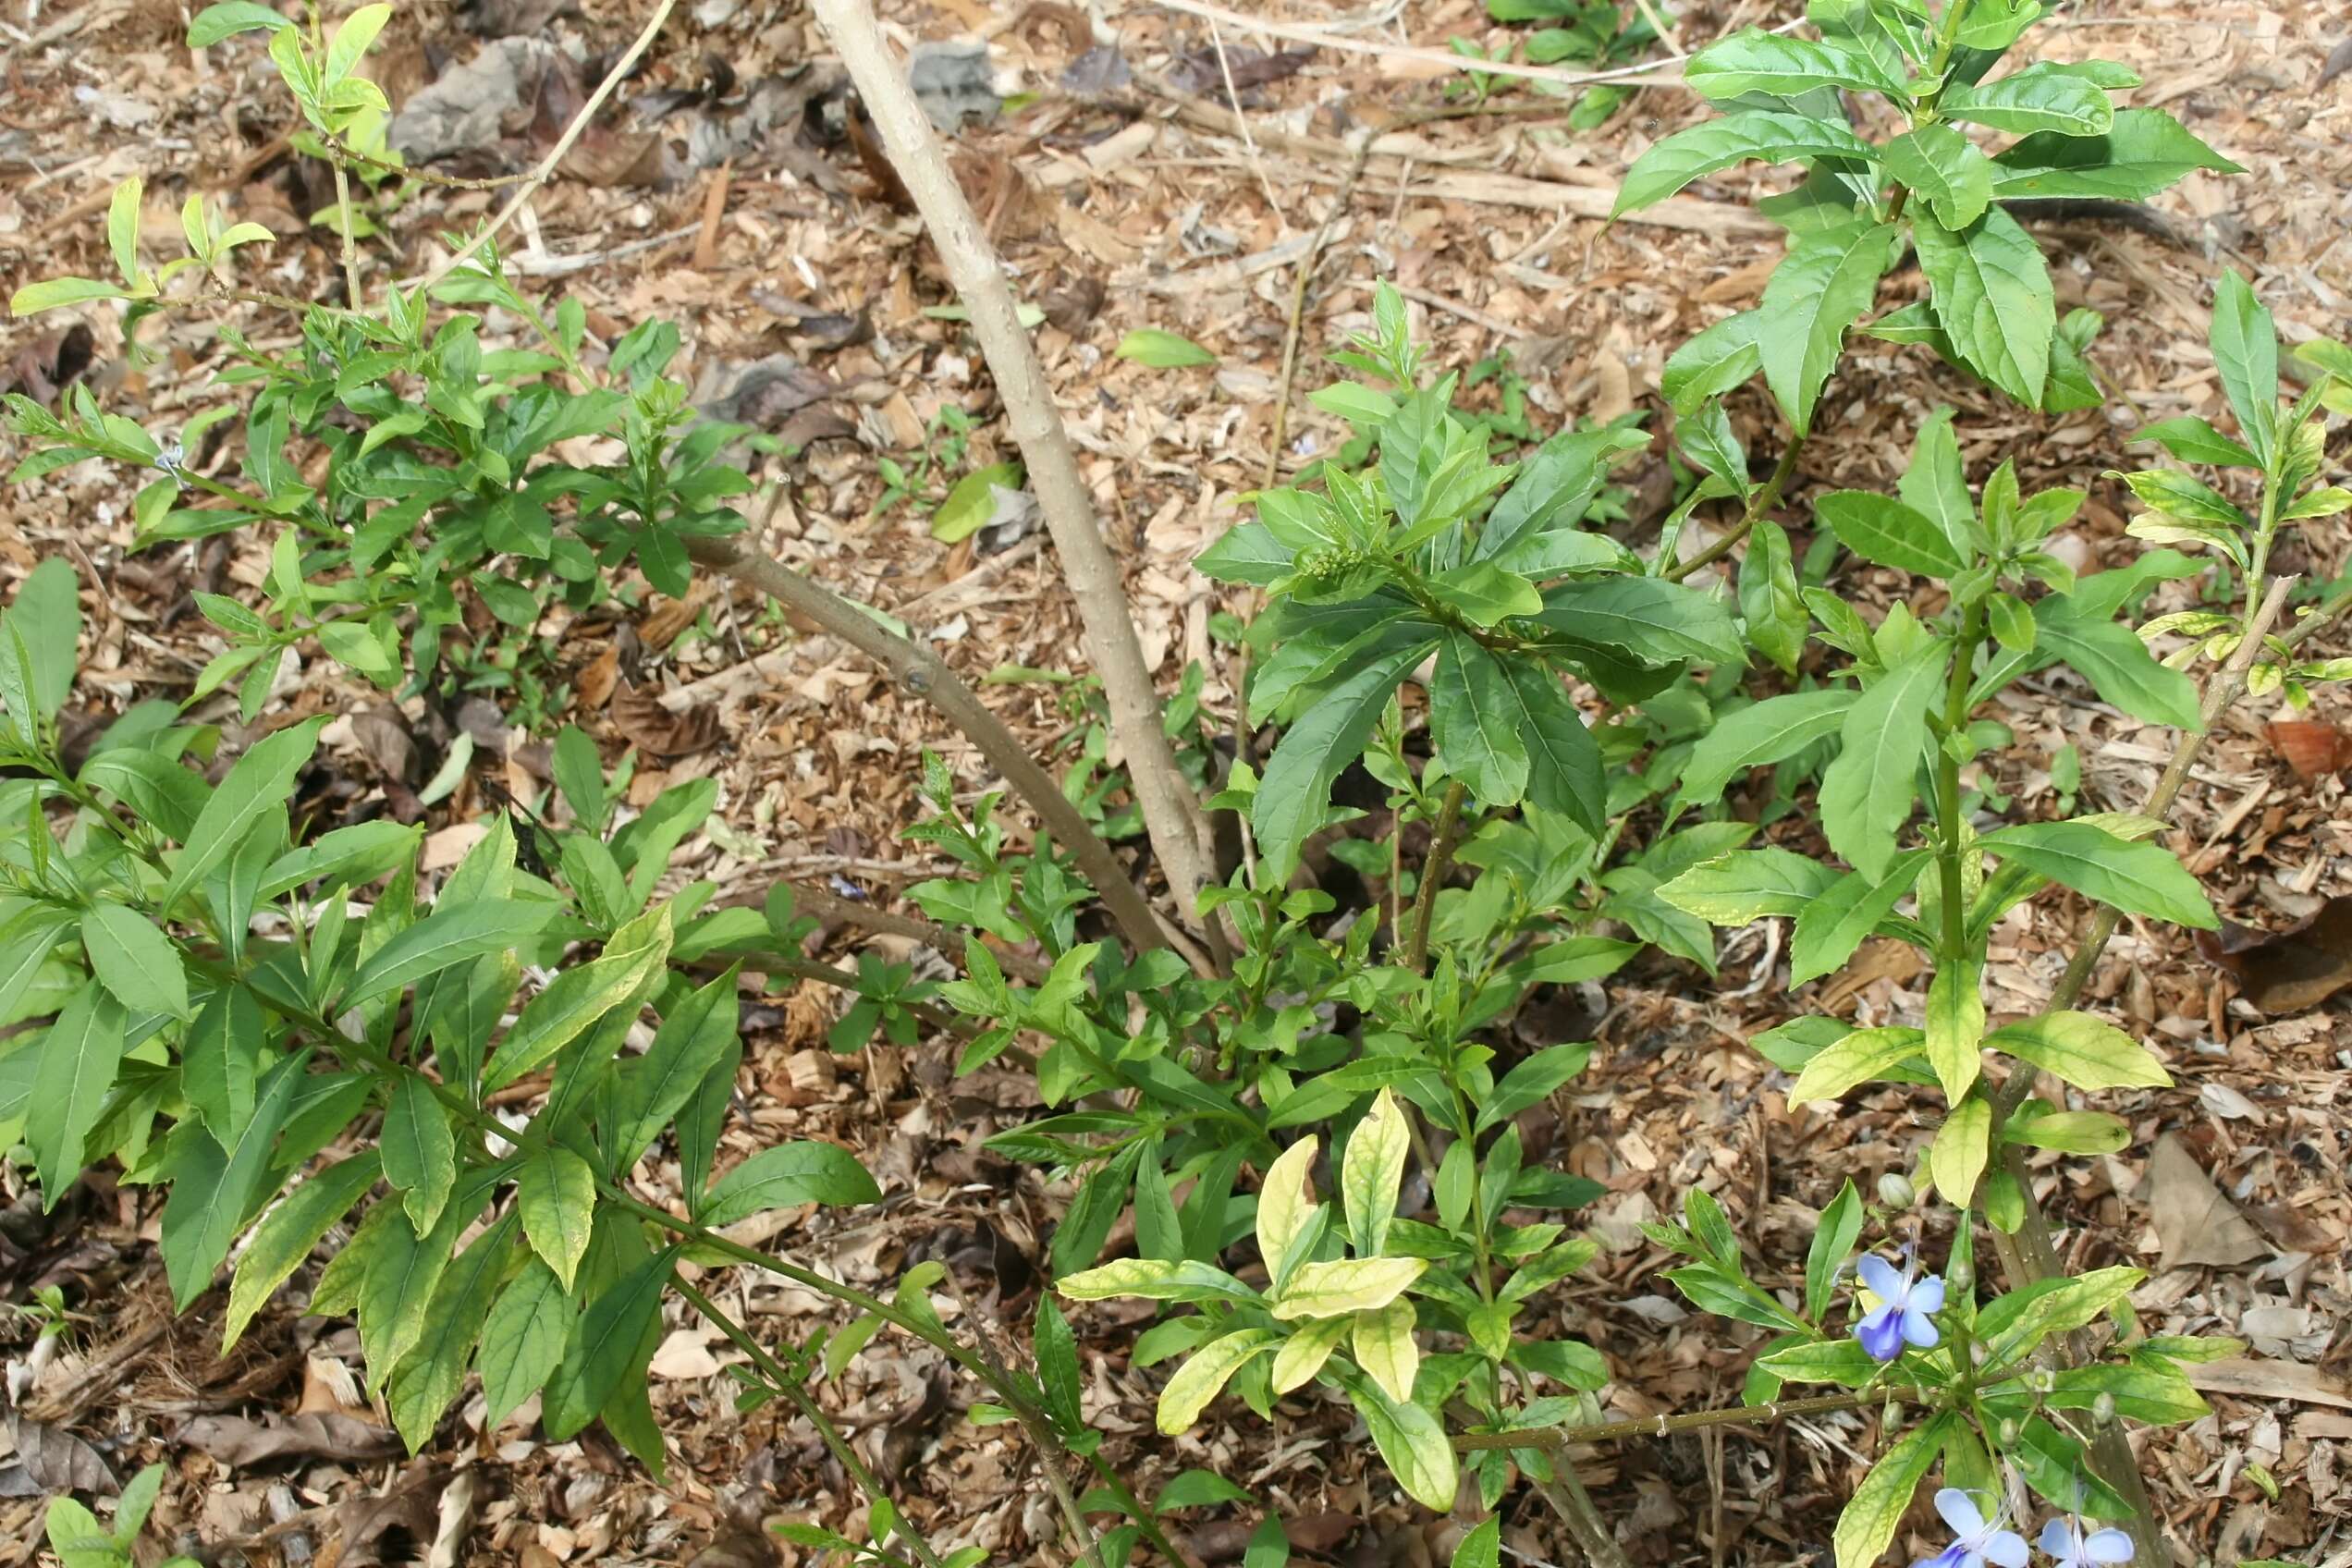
<point x="1371" y="1172"/>
<point x="1286" y="1202"/>
<point x="1198" y="1381"/>
<point x="1957" y="1159"/>
<point x="1304" y="1354"/>
<point x="1385" y="1347"/>
<point x="1355" y="1285"/>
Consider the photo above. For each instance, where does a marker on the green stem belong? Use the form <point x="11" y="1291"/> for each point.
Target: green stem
<point x="785" y="1382"/>
<point x="1766" y="498"/>
<point x="1547" y="1439"/>
<point x="1433" y="871"/>
<point x="1950" y="828"/>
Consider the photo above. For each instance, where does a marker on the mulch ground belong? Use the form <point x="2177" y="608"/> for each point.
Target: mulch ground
<point x="1130" y="188"/>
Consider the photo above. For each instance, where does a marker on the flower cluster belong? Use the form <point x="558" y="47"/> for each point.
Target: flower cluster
<point x="1977" y="1540"/>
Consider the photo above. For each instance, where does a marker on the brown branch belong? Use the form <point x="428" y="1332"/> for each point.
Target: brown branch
<point x="1170" y="813"/>
<point x="1551" y="1439"/>
<point x="834" y="909"/>
<point x="924" y="674"/>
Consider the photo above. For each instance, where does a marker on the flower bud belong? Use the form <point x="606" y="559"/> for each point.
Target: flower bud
<point x="2103" y="1407"/>
<point x="1960" y="1279"/>
<point x="2010" y="1433"/>
<point x="1895" y="1189"/>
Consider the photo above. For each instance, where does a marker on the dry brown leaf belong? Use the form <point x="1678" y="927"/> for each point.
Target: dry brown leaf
<point x="656" y="732"/>
<point x="594" y="687"/>
<point x="2312" y="748"/>
<point x="236" y="1442"/>
<point x="56" y="1460"/>
<point x="2290" y="970"/>
<point x="2195" y="1223"/>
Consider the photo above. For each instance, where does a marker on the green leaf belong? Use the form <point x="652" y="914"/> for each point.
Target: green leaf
<point x="428" y="1379"/>
<point x="974" y="501"/>
<point x="614" y="1339"/>
<point x="2083" y="1051"/>
<point x="1720" y="357"/>
<point x="1161" y="351"/>
<point x="1759" y="734"/>
<point x="47" y="615"/>
<point x="2071" y="1132"/>
<point x="1371" y="1173"/>
<point x="1749" y="885"/>
<point x="218" y="21"/>
<point x="1828" y="279"/>
<point x="1411" y="1441"/>
<point x="78" y="1539"/>
<point x="284" y="1237"/>
<point x="1469" y="702"/>
<point x="1248" y="552"/>
<point x="1944" y="168"/>
<point x="122" y="229"/>
<point x="52" y="292"/>
<point x="1554" y="489"/>
<point x="788" y="1176"/>
<point x="78" y="1055"/>
<point x="2117" y="664"/>
<point x="1991" y="292"/>
<point x="1156" y="1279"/>
<point x="1532" y="1081"/>
<point x="1955" y="1026"/>
<point x="1719" y="143"/>
<point x="1825" y="1361"/>
<point x="1962" y="1144"/>
<point x="522" y="1339"/>
<point x="1830" y="927"/>
<point x="1887" y="533"/>
<point x="1197" y="1488"/>
<point x="556" y="1193"/>
<point x="351" y="39"/>
<point x="1057" y="1371"/>
<point x="1485" y="593"/>
<point x="239" y="1177"/>
<point x="1349" y="1285"/>
<point x="402" y="1274"/>
<point x="2246" y="353"/>
<point x="1294" y="795"/>
<point x="1656" y="621"/>
<point x="1482" y="1548"/>
<point x="1833" y="1237"/>
<point x="1770" y="604"/>
<point x="1868" y="1522"/>
<point x="134" y="961"/>
<point x="1866" y="793"/>
<point x="261" y="783"/>
<point x="419" y="1152"/>
<point x="2135" y="875"/>
<point x="2018" y="1322"/>
<point x="451" y="935"/>
<point x="578" y="999"/>
<point x="694" y="1041"/>
<point x="1755" y="61"/>
<point x="2146" y="150"/>
<point x="1205" y="1375"/>
<point x="1857" y="1058"/>
<point x="2045" y="97"/>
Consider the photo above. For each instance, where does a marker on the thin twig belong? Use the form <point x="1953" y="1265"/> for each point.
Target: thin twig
<point x="833" y="909"/>
<point x="1249" y="142"/>
<point x="1565" y="1492"/>
<point x="925" y="675"/>
<point x="1172" y="814"/>
<point x="786" y="1383"/>
<point x="1547" y="1439"/>
<point x="1651" y="72"/>
<point x="556" y="154"/>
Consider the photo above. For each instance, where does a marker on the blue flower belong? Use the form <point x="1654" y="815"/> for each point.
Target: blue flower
<point x="2063" y="1539"/>
<point x="1905" y="1304"/>
<point x="1976" y="1541"/>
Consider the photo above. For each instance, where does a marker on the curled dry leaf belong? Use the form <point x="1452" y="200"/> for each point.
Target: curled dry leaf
<point x="238" y="1442"/>
<point x="2290" y="970"/>
<point x="2311" y="747"/>
<point x="56" y="1460"/>
<point x="656" y="730"/>
<point x="2195" y="1223"/>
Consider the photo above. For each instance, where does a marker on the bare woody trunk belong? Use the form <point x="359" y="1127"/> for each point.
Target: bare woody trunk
<point x="1170" y="813"/>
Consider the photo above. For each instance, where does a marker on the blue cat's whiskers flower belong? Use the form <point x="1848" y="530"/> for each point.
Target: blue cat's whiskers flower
<point x="1905" y="1302"/>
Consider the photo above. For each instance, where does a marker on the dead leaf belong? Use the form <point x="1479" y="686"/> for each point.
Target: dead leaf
<point x="2290" y="971"/>
<point x="670" y="617"/>
<point x="1071" y="307"/>
<point x="1881" y="958"/>
<point x="2195" y="1224"/>
<point x="1203" y="71"/>
<point x="594" y="686"/>
<point x="236" y="1441"/>
<point x="397" y="1528"/>
<point x="49" y="364"/>
<point x="56" y="1460"/>
<point x="2312" y="748"/>
<point x="656" y="730"/>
